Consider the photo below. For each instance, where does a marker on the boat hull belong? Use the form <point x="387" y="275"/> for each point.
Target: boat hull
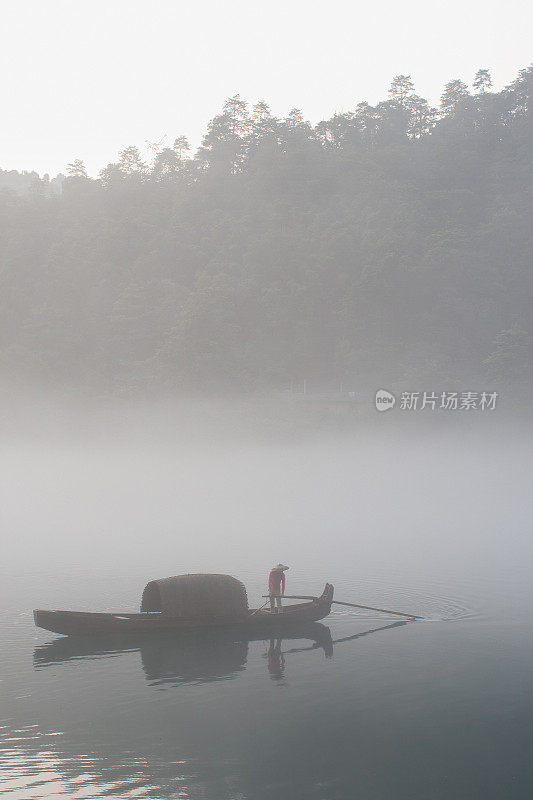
<point x="87" y="623"/>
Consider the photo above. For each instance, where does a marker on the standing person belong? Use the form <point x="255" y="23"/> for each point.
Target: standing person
<point x="276" y="586"/>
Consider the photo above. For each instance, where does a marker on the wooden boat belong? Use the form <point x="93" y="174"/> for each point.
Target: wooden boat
<point x="251" y="621"/>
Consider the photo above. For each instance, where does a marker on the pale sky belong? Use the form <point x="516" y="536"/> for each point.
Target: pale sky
<point x="85" y="78"/>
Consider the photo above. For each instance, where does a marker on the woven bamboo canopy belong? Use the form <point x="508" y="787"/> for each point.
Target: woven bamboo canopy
<point x="196" y="596"/>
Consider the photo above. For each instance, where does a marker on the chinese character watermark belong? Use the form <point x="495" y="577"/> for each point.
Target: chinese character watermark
<point x="433" y="401"/>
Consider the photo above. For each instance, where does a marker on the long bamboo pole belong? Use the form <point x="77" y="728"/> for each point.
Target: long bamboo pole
<point x="373" y="608"/>
<point x="353" y="605"/>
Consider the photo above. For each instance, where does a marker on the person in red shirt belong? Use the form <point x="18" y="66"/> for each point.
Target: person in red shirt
<point x="276" y="587"/>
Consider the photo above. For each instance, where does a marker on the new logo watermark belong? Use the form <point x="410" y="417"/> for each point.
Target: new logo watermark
<point x="385" y="400"/>
<point x="437" y="401"/>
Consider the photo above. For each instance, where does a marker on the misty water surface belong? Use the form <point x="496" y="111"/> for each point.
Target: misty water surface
<point x="433" y="523"/>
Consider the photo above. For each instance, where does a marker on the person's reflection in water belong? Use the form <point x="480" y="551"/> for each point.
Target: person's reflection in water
<point x="275" y="660"/>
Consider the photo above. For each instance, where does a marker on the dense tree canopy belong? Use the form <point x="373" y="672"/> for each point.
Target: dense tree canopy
<point x="391" y="243"/>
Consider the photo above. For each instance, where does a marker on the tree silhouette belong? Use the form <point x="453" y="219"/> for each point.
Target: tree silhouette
<point x="455" y="92"/>
<point x="482" y="82"/>
<point x="76" y="169"/>
<point x="400" y="89"/>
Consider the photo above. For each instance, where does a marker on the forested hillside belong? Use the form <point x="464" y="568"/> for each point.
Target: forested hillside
<point x="30" y="182"/>
<point x="390" y="244"/>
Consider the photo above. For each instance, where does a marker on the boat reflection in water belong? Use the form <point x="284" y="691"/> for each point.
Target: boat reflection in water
<point x="194" y="657"/>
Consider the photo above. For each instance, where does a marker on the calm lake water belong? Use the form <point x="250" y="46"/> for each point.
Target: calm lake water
<point x="360" y="707"/>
